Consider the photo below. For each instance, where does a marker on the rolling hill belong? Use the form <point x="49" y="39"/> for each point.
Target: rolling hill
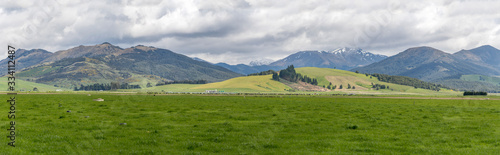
<point x="362" y="82"/>
<point x="474" y="83"/>
<point x="246" y="69"/>
<point x="264" y="83"/>
<point x="22" y="85"/>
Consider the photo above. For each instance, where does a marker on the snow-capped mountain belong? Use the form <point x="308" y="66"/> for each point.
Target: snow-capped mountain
<point x="342" y="58"/>
<point x="261" y="62"/>
<point x="199" y="59"/>
<point x="357" y="52"/>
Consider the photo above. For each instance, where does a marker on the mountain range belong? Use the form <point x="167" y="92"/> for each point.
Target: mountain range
<point x="105" y="63"/>
<point x="474" y="69"/>
<point x="342" y="58"/>
<point x="433" y="65"/>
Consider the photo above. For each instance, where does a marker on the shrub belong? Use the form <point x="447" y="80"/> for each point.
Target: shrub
<point x="352" y="127"/>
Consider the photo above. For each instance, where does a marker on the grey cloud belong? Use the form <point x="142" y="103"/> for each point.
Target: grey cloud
<point x="238" y="31"/>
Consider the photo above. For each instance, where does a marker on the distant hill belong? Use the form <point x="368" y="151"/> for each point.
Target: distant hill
<point x="433" y="65"/>
<point x="261" y="62"/>
<point x="428" y="64"/>
<point x="104" y="49"/>
<point x="246" y="69"/>
<point x="485" y="55"/>
<point x="22" y="86"/>
<point x="104" y="63"/>
<point x="26" y="58"/>
<point x="475" y="83"/>
<point x="199" y="59"/>
<point x="342" y="58"/>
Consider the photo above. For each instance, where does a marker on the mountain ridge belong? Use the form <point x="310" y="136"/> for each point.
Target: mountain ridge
<point x="433" y="65"/>
<point x="103" y="63"/>
<point x="341" y="58"/>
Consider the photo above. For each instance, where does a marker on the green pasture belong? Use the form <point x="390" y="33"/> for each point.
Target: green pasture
<point x="481" y="78"/>
<point x="28" y="85"/>
<point x="197" y="124"/>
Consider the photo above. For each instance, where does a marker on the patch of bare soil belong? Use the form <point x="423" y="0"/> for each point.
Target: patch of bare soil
<point x="344" y="80"/>
<point x="302" y="86"/>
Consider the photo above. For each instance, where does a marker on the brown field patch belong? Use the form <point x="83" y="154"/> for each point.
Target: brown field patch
<point x="344" y="80"/>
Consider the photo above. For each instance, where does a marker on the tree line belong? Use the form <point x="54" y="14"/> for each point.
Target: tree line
<point x="408" y="81"/>
<point x="289" y="74"/>
<point x="263" y="73"/>
<point x="183" y="82"/>
<point x="379" y="86"/>
<point x="466" y="93"/>
<point x="102" y="86"/>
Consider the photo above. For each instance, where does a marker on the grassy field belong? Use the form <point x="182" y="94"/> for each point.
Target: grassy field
<point x="192" y="124"/>
<point x="481" y="78"/>
<point x="240" y="84"/>
<point x="247" y="84"/>
<point x="27" y="85"/>
<point x="265" y="84"/>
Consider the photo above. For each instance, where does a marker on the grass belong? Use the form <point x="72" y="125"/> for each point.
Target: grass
<point x="262" y="83"/>
<point x="167" y="88"/>
<point x="239" y="84"/>
<point x="481" y="78"/>
<point x="38" y="71"/>
<point x="265" y="84"/>
<point x="362" y="82"/>
<point x="27" y="85"/>
<point x="191" y="124"/>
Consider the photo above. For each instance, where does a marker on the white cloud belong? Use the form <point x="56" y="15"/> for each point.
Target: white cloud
<point x="238" y="31"/>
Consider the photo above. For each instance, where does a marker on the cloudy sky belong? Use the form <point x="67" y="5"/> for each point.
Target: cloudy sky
<point x="239" y="31"/>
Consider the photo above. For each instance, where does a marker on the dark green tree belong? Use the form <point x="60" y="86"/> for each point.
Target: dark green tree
<point x="276" y="76"/>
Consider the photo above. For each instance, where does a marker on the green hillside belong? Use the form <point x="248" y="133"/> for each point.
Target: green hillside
<point x="481" y="78"/>
<point x="362" y="82"/>
<point x="169" y="88"/>
<point x="324" y="76"/>
<point x="69" y="73"/>
<point x="262" y="83"/>
<point x="22" y="85"/>
<point x="106" y="63"/>
<point x="265" y="83"/>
